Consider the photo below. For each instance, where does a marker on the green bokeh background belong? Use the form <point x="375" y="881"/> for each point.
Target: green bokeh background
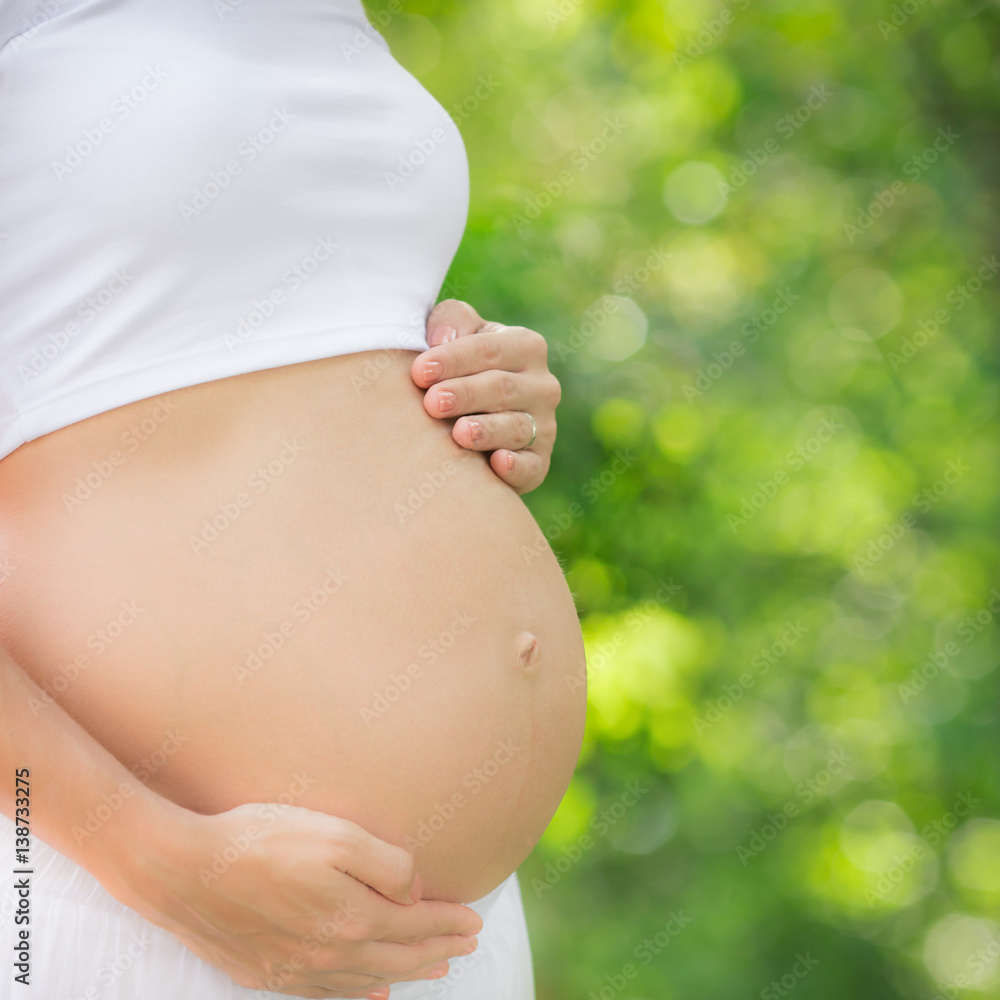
<point x="775" y="547"/>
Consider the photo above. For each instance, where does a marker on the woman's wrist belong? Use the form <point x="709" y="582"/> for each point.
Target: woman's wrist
<point x="144" y="850"/>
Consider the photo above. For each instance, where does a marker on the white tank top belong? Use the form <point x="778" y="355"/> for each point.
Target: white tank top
<point x="192" y="189"/>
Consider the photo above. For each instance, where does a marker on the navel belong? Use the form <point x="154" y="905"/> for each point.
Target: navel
<point x="527" y="652"/>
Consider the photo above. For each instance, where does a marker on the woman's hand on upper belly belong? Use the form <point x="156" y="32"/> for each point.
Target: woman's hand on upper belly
<point x="493" y="381"/>
<point x="297" y="902"/>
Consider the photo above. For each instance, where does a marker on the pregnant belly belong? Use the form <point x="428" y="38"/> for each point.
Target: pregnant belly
<point x="292" y="586"/>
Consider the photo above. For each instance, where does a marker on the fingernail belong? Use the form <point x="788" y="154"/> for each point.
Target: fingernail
<point x="439" y="973"/>
<point x="510" y="460"/>
<point x="447" y="332"/>
<point x="433" y="370"/>
<point x="469" y="949"/>
<point x="446" y="400"/>
<point x="476" y="429"/>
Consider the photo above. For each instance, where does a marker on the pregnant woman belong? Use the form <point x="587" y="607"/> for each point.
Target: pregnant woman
<point x="282" y="663"/>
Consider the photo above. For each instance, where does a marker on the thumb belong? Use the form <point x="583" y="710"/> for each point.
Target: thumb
<point x="388" y="869"/>
<point x="451" y="314"/>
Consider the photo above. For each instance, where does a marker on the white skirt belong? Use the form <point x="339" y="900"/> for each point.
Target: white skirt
<point x="85" y="945"/>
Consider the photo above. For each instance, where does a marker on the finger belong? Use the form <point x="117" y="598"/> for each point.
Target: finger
<point x="429" y="919"/>
<point x="354" y="985"/>
<point x="320" y="993"/>
<point x="511" y="429"/>
<point x="436" y="971"/>
<point x="387" y="869"/>
<point x="397" y="962"/>
<point x="523" y="470"/>
<point x="512" y="348"/>
<point x="449" y="319"/>
<point x="483" y="392"/>
<point x="340" y="984"/>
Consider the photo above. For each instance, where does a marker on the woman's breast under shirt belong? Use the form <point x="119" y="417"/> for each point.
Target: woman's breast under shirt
<point x="193" y="189"/>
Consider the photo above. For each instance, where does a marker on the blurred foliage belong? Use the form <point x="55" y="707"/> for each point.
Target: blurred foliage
<point x="759" y="237"/>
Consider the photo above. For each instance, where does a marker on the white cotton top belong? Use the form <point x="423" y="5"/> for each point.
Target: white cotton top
<point x="193" y="189"/>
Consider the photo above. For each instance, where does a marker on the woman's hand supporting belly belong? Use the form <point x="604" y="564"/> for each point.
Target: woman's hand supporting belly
<point x="278" y="898"/>
<point x="299" y="589"/>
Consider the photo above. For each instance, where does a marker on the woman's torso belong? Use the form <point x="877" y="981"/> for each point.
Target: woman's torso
<point x="241" y="553"/>
<point x="292" y="585"/>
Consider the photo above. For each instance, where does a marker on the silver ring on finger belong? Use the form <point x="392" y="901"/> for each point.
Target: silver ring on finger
<point x="534" y="431"/>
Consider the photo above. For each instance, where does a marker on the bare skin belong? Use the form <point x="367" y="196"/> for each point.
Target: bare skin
<point x="148" y="858"/>
<point x="500" y="682"/>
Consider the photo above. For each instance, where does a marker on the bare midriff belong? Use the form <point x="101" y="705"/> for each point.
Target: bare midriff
<point x="292" y="586"/>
